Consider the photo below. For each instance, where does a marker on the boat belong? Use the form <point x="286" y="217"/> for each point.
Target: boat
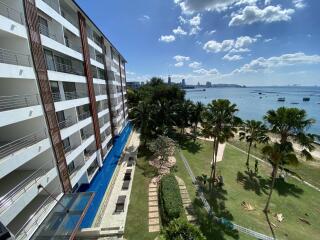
<point x="281" y="99"/>
<point x="306" y="99"/>
<point x="294" y="103"/>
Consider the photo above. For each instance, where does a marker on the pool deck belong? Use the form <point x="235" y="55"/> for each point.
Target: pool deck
<point x="110" y="219"/>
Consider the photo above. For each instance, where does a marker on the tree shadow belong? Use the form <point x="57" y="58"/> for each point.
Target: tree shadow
<point x="142" y="163"/>
<point x="253" y="182"/>
<point x="209" y="225"/>
<point x="187" y="142"/>
<point x="285" y="189"/>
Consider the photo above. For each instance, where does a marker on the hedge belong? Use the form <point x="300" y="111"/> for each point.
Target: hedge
<point x="170" y="201"/>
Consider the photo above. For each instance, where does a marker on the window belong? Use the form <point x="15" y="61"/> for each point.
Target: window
<point x="71" y="167"/>
<point x="66" y="143"/>
<point x="60" y="116"/>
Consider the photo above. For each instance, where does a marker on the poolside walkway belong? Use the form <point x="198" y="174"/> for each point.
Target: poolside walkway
<point x="112" y="221"/>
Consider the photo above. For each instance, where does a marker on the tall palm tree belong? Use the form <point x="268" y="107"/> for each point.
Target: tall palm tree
<point x="276" y="156"/>
<point x="290" y="125"/>
<point x="219" y="123"/>
<point x="253" y="132"/>
<point x="196" y="117"/>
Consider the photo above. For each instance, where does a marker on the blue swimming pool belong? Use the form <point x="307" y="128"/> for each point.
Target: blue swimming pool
<point x="102" y="179"/>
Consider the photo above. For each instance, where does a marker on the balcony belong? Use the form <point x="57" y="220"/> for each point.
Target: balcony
<point x="58" y="97"/>
<point x="66" y="123"/>
<point x="84" y="115"/>
<point x="14" y="58"/>
<point x="69" y="149"/>
<point x="44" y="30"/>
<point x="53" y="4"/>
<point x="11" y="13"/>
<point x="88" y="153"/>
<point x="12" y="147"/>
<point x="65" y="68"/>
<point x="18" y="101"/>
<point x="85" y="136"/>
<point x="27" y="180"/>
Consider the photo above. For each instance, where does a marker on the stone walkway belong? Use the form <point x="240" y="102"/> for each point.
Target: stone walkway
<point x="186" y="201"/>
<point x="153" y="209"/>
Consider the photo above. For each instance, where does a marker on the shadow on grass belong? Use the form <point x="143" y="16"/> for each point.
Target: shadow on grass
<point x="187" y="142"/>
<point x="285" y="189"/>
<point x="143" y="163"/>
<point x="208" y="225"/>
<point x="253" y="182"/>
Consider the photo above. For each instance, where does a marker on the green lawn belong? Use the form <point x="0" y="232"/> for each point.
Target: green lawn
<point x="137" y="218"/>
<point x="291" y="198"/>
<point x="309" y="171"/>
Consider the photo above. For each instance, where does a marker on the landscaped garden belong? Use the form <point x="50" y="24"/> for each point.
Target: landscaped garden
<point x="258" y="195"/>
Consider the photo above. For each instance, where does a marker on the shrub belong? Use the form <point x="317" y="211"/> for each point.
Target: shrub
<point x="169" y="198"/>
<point x="180" y="229"/>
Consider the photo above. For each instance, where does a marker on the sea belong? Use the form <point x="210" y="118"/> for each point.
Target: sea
<point x="254" y="102"/>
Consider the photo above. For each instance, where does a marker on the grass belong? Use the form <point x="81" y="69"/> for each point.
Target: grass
<point x="309" y="171"/>
<point x="137" y="218"/>
<point x="291" y="198"/>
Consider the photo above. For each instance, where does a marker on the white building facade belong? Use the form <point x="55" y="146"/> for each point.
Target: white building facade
<point x="62" y="102"/>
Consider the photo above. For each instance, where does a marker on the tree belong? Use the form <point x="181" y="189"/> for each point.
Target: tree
<point x="141" y="118"/>
<point x="163" y="147"/>
<point x="180" y="229"/>
<point x="290" y="125"/>
<point x="196" y="117"/>
<point x="219" y="123"/>
<point x="253" y="132"/>
<point x="183" y="113"/>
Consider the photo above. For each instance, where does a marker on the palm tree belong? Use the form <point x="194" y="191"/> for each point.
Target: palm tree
<point x="253" y="132"/>
<point x="142" y="120"/>
<point x="196" y="117"/>
<point x="219" y="123"/>
<point x="290" y="124"/>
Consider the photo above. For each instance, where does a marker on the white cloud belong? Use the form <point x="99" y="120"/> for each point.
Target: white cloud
<point x="195" y="21"/>
<point x="179" y="31"/>
<point x="299" y="3"/>
<point x="182" y="20"/>
<point x="268" y="40"/>
<point x="210" y="32"/>
<point x="179" y="64"/>
<point x="203" y="71"/>
<point x="180" y="58"/>
<point x="130" y="73"/>
<point x="252" y="14"/>
<point x="240" y="43"/>
<point x="195" y="65"/>
<point x="144" y="18"/>
<point x="167" y="38"/>
<point x="191" y="6"/>
<point x="239" y="50"/>
<point x="244" y="41"/>
<point x="267" y="2"/>
<point x="229" y="57"/>
<point x="265" y="64"/>
<point x="214" y="46"/>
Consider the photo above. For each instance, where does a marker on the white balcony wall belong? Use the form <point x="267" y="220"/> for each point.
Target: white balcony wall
<point x="99" y="81"/>
<point x="55" y="15"/>
<point x="59" y="47"/>
<point x="54" y="29"/>
<point x="79" y="150"/>
<point x="66" y="77"/>
<point x="96" y="63"/>
<point x="94" y="45"/>
<point x="9" y="26"/>
<point x="59" y="106"/>
<point x="103" y="112"/>
<point x="66" y="132"/>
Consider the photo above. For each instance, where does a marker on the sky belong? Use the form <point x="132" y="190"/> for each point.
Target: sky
<point x="246" y="42"/>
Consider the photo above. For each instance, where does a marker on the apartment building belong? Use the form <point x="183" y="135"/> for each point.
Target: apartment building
<point x="62" y="103"/>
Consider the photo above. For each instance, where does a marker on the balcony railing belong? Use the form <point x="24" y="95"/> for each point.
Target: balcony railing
<point x="84" y="115"/>
<point x="34" y="219"/>
<point x="66" y="68"/>
<point x="88" y="153"/>
<point x="57" y="97"/>
<point x="11" y="57"/>
<point x="66" y="123"/>
<point x="13" y="195"/>
<point x="18" y="101"/>
<point x="11" y="13"/>
<point x="69" y="149"/>
<point x="85" y="136"/>
<point x="21" y="143"/>
<point x="54" y="4"/>
<point x="69" y="18"/>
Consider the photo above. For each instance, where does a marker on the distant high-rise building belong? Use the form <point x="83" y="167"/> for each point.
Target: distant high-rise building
<point x="183" y="82"/>
<point x="208" y="84"/>
<point x="169" y="80"/>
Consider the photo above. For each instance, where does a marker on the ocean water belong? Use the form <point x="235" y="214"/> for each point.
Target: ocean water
<point x="253" y="105"/>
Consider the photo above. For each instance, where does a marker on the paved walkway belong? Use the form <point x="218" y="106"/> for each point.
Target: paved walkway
<point x="186" y="201"/>
<point x="153" y="208"/>
<point x="116" y="221"/>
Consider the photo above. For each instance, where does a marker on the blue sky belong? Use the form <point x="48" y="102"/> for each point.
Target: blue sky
<point x="251" y="42"/>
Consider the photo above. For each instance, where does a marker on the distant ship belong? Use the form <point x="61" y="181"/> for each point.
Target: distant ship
<point x="281" y="99"/>
<point x="306" y="99"/>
